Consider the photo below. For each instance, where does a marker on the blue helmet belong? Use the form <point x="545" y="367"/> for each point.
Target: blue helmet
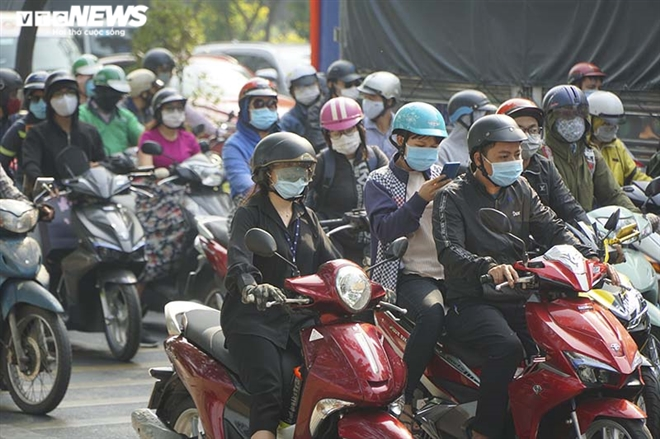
<point x="419" y="118"/>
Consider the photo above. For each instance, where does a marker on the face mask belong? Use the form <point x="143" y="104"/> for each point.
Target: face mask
<point x="347" y="144"/>
<point x="307" y="95"/>
<point x="372" y="109"/>
<point x="89" y="88"/>
<point x="38" y="109"/>
<point x="13" y="106"/>
<point x="262" y="118"/>
<point x="65" y="105"/>
<point x="571" y="130"/>
<point x="352" y="93"/>
<point x="173" y="118"/>
<point x="505" y="173"/>
<point x="606" y="133"/>
<point x="290" y="189"/>
<point x="531" y="145"/>
<point x="421" y="159"/>
<point x="165" y="77"/>
<point x="107" y="101"/>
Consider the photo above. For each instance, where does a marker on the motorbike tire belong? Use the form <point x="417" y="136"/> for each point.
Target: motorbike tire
<point x="626" y="428"/>
<point x="123" y="337"/>
<point x="651" y="397"/>
<point x="55" y="349"/>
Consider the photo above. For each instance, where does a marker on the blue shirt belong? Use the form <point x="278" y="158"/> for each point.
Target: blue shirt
<point x="376" y="138"/>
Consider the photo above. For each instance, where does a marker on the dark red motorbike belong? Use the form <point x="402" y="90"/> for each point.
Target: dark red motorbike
<point x="580" y="387"/>
<point x="348" y="378"/>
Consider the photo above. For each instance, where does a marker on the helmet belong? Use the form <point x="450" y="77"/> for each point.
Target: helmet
<point x="57" y="80"/>
<point x="9" y="81"/>
<point x="383" y="84"/>
<point x="257" y="87"/>
<point x="419" y="118"/>
<point x="112" y="76"/>
<point x="87" y="64"/>
<point x="280" y="148"/>
<point x="140" y="80"/>
<point x="165" y="96"/>
<point x="342" y="70"/>
<point x="340" y="114"/>
<point x="158" y="57"/>
<point x="35" y="81"/>
<point x="606" y="105"/>
<point x="302" y="75"/>
<point x="494" y="128"/>
<point x="466" y="102"/>
<point x="518" y="107"/>
<point x="564" y="97"/>
<point x="582" y="70"/>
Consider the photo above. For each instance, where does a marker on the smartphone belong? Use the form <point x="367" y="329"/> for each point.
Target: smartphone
<point x="450" y="169"/>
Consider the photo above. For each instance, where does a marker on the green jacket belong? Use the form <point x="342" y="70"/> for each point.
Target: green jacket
<point x="123" y="130"/>
<point x="586" y="175"/>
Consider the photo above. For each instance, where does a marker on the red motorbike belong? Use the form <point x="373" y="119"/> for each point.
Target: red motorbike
<point x="580" y="387"/>
<point x="348" y="378"/>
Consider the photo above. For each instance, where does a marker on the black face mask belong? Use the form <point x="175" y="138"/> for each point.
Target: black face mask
<point x="107" y="99"/>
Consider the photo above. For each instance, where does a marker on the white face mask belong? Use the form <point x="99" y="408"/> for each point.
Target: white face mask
<point x="352" y="93"/>
<point x="306" y="95"/>
<point x="372" y="109"/>
<point x="173" y="118"/>
<point x="347" y="144"/>
<point x="65" y="105"/>
<point x="531" y="145"/>
<point x="571" y="130"/>
<point x="606" y="133"/>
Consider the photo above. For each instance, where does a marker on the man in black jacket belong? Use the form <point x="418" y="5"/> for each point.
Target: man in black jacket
<point x="61" y="129"/>
<point x="468" y="249"/>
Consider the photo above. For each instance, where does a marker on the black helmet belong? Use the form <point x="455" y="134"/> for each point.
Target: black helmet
<point x="466" y="102"/>
<point x="493" y="128"/>
<point x="158" y="57"/>
<point x="342" y="70"/>
<point x="35" y="81"/>
<point x="565" y="98"/>
<point x="9" y="81"/>
<point x="59" y="79"/>
<point x="164" y="96"/>
<point x="280" y="148"/>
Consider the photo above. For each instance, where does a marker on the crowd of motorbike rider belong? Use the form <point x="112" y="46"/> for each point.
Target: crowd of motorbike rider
<point x="331" y="154"/>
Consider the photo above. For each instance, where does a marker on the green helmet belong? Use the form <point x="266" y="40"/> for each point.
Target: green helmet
<point x="419" y="118"/>
<point x="113" y="77"/>
<point x="87" y="64"/>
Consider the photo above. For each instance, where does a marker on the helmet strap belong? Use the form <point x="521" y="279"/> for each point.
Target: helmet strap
<point x="481" y="167"/>
<point x="466" y="126"/>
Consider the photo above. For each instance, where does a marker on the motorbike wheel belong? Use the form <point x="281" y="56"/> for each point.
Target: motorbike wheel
<point x="650" y="401"/>
<point x="124" y="324"/>
<point x="616" y="428"/>
<point x="39" y="386"/>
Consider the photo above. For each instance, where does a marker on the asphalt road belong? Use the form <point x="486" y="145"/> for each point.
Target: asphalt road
<point x="101" y="396"/>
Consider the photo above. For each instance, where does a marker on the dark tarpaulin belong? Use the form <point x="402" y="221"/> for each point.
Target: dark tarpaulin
<point x="525" y="42"/>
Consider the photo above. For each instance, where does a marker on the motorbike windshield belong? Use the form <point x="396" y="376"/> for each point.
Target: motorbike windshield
<point x="568" y="256"/>
<point x="100" y="183"/>
<point x="204" y="170"/>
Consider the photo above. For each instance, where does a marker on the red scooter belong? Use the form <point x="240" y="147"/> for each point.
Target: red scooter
<point x="348" y="378"/>
<point x="581" y="387"/>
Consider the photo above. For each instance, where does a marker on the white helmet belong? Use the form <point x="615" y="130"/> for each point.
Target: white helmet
<point x="383" y="84"/>
<point x="302" y="75"/>
<point x="606" y="105"/>
<point x="140" y="80"/>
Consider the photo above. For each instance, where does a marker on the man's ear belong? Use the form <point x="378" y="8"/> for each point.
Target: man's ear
<point x="478" y="160"/>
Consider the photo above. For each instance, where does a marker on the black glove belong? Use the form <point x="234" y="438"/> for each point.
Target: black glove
<point x="261" y="294"/>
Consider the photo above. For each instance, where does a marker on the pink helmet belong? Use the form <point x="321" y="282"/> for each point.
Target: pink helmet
<point x="340" y="114"/>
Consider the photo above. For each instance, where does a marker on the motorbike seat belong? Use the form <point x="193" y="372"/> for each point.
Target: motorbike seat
<point x="470" y="357"/>
<point x="220" y="231"/>
<point x="204" y="331"/>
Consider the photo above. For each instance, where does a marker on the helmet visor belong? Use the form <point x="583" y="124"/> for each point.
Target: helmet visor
<point x="294" y="173"/>
<point x="571" y="112"/>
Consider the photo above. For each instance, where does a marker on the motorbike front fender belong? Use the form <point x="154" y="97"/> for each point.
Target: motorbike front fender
<point x="116" y="276"/>
<point x="27" y="291"/>
<point x="371" y="425"/>
<point x="590" y="409"/>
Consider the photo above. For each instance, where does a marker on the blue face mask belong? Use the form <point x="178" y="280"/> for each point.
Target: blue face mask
<point x="505" y="173"/>
<point x="38" y="109"/>
<point x="290" y="189"/>
<point x="263" y="118"/>
<point x="89" y="88"/>
<point x="421" y="159"/>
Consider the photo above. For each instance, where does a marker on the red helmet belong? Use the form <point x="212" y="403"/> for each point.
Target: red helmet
<point x="518" y="107"/>
<point x="582" y="70"/>
<point x="257" y="87"/>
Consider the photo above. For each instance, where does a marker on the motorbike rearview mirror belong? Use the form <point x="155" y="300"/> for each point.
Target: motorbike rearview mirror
<point x="397" y="248"/>
<point x="198" y="129"/>
<point x="495" y="221"/>
<point x="71" y="162"/>
<point x="613" y="220"/>
<point x="151" y="148"/>
<point x="260" y="242"/>
<point x="653" y="188"/>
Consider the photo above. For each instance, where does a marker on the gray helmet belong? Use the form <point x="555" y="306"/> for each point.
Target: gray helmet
<point x="383" y="84"/>
<point x="493" y="128"/>
<point x="342" y="70"/>
<point x="280" y="148"/>
<point x="466" y="102"/>
<point x="165" y="96"/>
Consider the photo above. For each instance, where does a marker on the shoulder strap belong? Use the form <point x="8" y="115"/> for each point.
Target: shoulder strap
<point x="372" y="158"/>
<point x="329" y="164"/>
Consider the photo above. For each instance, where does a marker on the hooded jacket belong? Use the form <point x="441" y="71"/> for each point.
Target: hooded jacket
<point x="454" y="148"/>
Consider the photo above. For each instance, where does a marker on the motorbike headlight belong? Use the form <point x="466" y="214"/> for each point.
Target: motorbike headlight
<point x="18" y="216"/>
<point x="353" y="287"/>
<point x="592" y="372"/>
<point x="323" y="409"/>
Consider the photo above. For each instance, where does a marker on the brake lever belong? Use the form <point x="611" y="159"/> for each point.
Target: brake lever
<point x="520" y="281"/>
<point x="301" y="301"/>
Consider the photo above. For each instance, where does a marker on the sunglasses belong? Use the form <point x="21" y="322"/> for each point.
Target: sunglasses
<point x="261" y="103"/>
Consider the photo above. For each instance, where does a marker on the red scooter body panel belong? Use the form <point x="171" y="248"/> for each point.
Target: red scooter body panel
<point x="556" y="272"/>
<point x="216" y="254"/>
<point x="351" y="362"/>
<point x="207" y="381"/>
<point x="372" y="425"/>
<point x="587" y="411"/>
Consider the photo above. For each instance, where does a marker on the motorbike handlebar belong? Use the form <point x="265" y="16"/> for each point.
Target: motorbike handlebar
<point x="299" y="301"/>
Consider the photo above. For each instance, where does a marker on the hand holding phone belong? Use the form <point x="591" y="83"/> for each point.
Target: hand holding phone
<point x="450" y="169"/>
